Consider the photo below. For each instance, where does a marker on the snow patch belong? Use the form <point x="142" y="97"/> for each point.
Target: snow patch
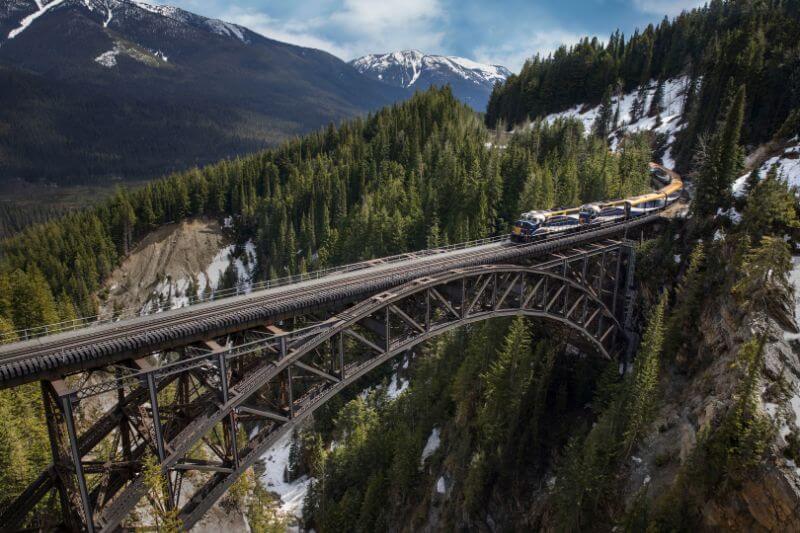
<point x="396" y="387"/>
<point x="291" y="493"/>
<point x="668" y="121"/>
<point x="794" y="280"/>
<point x="175" y="293"/>
<point x="165" y="11"/>
<point x="787" y="165"/>
<point x="26" y="22"/>
<point x="226" y="29"/>
<point x="108" y="59"/>
<point x="109" y="16"/>
<point x="431" y="445"/>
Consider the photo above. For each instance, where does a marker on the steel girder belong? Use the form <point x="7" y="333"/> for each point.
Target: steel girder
<point x="232" y="398"/>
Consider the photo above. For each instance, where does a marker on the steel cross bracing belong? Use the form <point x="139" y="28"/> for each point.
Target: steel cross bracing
<point x="208" y="410"/>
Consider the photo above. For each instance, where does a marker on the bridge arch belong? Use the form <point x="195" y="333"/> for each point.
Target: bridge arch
<point x="463" y="297"/>
<point x="276" y="379"/>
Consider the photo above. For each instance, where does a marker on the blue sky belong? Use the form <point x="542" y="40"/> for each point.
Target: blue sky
<point x="500" y="32"/>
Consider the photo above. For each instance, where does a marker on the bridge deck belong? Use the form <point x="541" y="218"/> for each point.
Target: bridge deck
<point x="104" y="344"/>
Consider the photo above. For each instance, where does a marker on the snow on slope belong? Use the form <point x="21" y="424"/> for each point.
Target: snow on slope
<point x="412" y="64"/>
<point x="176" y="293"/>
<point x="291" y="493"/>
<point x="27" y="21"/>
<point x="668" y="121"/>
<point x="226" y="29"/>
<point x="276" y="458"/>
<point x="787" y="165"/>
<point x="104" y="7"/>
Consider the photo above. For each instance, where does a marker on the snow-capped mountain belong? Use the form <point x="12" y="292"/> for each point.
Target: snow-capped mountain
<point x="98" y="88"/>
<point x="471" y="82"/>
<point x="19" y="15"/>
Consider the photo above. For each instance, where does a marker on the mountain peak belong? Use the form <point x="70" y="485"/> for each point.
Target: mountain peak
<point x="414" y="64"/>
<point x="471" y="81"/>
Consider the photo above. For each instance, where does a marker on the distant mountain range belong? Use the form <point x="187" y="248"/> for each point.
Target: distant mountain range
<point x="471" y="82"/>
<point x="98" y="89"/>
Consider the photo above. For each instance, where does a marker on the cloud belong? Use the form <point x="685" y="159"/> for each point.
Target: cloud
<point x="513" y="53"/>
<point x="671" y="8"/>
<point x="351" y="28"/>
<point x="386" y="26"/>
<point x="301" y="33"/>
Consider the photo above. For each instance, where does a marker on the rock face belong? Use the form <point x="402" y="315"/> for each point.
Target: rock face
<point x="769" y="500"/>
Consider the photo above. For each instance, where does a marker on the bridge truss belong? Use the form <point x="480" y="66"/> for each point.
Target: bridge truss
<point x="209" y="410"/>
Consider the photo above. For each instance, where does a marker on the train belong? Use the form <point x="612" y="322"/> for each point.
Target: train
<point x="538" y="224"/>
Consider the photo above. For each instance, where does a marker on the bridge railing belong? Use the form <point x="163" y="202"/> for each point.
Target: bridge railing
<point x="151" y="308"/>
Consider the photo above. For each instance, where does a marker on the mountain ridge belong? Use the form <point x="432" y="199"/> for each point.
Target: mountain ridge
<point x="120" y="88"/>
<point x="471" y="82"/>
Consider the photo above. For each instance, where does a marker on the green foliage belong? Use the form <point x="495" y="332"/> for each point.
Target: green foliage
<point x="586" y="476"/>
<point x="771" y="208"/>
<point x="263" y="515"/>
<point x="720" y="162"/>
<point x="508" y="408"/>
<point x="642" y="399"/>
<point x="689" y="297"/>
<point x="166" y="519"/>
<point x="763" y="289"/>
<point x="603" y="124"/>
<point x="508" y="376"/>
<point x="719" y="46"/>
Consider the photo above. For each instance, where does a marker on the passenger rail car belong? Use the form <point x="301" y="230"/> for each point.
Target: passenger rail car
<point x="534" y="225"/>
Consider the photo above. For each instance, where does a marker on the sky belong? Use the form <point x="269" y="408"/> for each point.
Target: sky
<point x="503" y="32"/>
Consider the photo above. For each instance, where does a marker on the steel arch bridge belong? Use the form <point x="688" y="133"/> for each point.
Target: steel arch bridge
<point x="210" y="408"/>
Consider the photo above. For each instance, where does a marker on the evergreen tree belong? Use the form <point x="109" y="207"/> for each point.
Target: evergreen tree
<point x="31" y="301"/>
<point x="688" y="303"/>
<point x="657" y="103"/>
<point x="720" y="161"/>
<point x="605" y="116"/>
<point x="763" y="289"/>
<point x="643" y="397"/>
<point x="506" y="378"/>
<point x="771" y="208"/>
<point x="166" y="519"/>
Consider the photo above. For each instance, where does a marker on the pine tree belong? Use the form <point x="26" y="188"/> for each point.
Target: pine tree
<point x="166" y="518"/>
<point x="720" y="161"/>
<point x="688" y="299"/>
<point x="639" y="103"/>
<point x="763" y="290"/>
<point x="31" y="300"/>
<point x="771" y="208"/>
<point x="14" y="467"/>
<point x="603" y="122"/>
<point x="567" y="185"/>
<point x="507" y="377"/>
<point x="643" y="396"/>
<point x="657" y="103"/>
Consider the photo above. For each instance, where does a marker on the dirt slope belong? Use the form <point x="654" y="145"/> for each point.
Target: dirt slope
<point x="175" y="251"/>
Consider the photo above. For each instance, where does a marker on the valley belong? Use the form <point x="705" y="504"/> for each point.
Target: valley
<point x="575" y="311"/>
